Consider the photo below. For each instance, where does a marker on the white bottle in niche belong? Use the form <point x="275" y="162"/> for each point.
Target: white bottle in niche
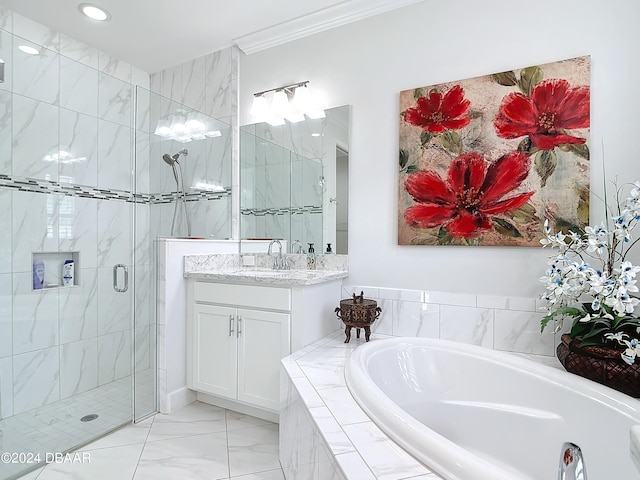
<point x="67" y="273"/>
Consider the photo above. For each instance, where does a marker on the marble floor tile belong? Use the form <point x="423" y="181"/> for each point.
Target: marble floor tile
<point x="268" y="475"/>
<point x="253" y="449"/>
<point x="197" y="442"/>
<point x="236" y="421"/>
<point x="194" y="419"/>
<point x="130" y="435"/>
<point x="103" y="464"/>
<point x="198" y="457"/>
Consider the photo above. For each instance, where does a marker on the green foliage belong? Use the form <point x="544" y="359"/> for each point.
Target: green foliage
<point x="592" y="332"/>
<point x="504" y="227"/>
<point x="524" y="215"/>
<point x="529" y="78"/>
<point x="425" y="137"/>
<point x="452" y="142"/>
<point x="562" y="312"/>
<point x="507" y="79"/>
<point x="545" y="163"/>
<point x="583" y="205"/>
<point x="404" y="158"/>
<point x="405" y="166"/>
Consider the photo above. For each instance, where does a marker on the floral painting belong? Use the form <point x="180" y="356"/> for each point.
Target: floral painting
<point x="485" y="161"/>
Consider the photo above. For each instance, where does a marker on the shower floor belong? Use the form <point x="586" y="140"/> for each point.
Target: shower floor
<point x="57" y="427"/>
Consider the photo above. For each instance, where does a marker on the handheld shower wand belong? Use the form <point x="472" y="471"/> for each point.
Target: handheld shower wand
<point x="179" y="178"/>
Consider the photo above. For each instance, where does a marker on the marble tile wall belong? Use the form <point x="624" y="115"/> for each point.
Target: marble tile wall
<point x="305" y="453"/>
<point x="66" y="130"/>
<point x="207" y="85"/>
<point x="500" y="322"/>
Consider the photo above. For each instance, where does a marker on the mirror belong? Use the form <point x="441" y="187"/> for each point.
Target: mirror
<point x="294" y="183"/>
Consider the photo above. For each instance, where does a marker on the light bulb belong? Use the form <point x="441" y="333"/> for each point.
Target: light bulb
<point x="29" y="50"/>
<point x="94" y="12"/>
<point x="301" y="98"/>
<point x="280" y="104"/>
<point x="259" y="109"/>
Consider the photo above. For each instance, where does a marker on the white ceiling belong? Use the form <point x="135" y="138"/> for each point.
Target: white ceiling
<point x="157" y="34"/>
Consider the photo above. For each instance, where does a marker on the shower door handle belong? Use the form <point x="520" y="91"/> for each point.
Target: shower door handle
<point x="125" y="269"/>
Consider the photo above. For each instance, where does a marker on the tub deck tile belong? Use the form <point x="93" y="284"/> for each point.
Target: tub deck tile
<point x="386" y="460"/>
<point x="359" y="448"/>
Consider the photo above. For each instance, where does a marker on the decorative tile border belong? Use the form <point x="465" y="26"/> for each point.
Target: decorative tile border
<point x="72" y="190"/>
<point x="261" y="212"/>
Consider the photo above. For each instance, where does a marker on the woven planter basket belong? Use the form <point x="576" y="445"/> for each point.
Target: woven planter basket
<point x="600" y="364"/>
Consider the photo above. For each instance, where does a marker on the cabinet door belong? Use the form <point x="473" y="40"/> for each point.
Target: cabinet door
<point x="214" y="350"/>
<point x="263" y="340"/>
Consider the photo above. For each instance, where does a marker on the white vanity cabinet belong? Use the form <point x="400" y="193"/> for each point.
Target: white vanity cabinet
<point x="238" y="333"/>
<point x="236" y="336"/>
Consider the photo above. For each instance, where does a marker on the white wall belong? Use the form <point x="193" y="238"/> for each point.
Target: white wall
<point x="367" y="64"/>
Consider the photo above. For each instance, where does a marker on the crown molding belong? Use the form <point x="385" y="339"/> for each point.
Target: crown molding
<point x="319" y="21"/>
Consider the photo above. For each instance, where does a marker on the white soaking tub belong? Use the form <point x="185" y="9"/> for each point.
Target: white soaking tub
<point x="471" y="413"/>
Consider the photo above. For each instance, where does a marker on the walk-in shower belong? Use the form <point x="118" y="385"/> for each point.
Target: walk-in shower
<point x="172" y="160"/>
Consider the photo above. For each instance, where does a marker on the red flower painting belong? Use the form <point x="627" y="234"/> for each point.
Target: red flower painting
<point x="484" y="160"/>
<point x="473" y="191"/>
<point x="553" y="108"/>
<point x="437" y="113"/>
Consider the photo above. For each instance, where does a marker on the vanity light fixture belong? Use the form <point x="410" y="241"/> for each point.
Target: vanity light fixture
<point x="291" y="102"/>
<point x="94" y="12"/>
<point x="29" y="50"/>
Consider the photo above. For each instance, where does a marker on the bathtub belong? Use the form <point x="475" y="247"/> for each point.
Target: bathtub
<point x="471" y="413"/>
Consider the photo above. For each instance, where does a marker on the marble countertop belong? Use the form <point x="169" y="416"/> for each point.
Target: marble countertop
<point x="268" y="276"/>
<point x="233" y="268"/>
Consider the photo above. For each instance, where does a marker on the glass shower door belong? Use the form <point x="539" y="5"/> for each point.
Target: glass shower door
<point x="67" y="194"/>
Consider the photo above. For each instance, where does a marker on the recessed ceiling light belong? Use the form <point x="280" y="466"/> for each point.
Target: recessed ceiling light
<point x="94" y="12"/>
<point x="29" y="50"/>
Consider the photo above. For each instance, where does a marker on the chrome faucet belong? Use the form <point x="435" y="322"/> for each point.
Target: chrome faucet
<point x="293" y="245"/>
<point x="572" y="465"/>
<point x="279" y="262"/>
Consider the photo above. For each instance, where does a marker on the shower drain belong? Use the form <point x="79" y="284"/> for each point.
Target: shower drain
<point x="88" y="418"/>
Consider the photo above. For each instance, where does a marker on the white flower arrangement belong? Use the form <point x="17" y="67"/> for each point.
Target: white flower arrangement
<point x="609" y="284"/>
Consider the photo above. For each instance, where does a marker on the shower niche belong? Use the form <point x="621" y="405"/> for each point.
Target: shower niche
<point x="55" y="270"/>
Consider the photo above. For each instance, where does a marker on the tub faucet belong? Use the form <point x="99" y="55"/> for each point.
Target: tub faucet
<point x="572" y="465"/>
<point x="279" y="262"/>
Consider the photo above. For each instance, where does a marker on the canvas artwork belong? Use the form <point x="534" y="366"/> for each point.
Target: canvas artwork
<point x="484" y="161"/>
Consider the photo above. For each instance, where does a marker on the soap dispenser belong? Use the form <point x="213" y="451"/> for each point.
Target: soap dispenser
<point x="329" y="251"/>
<point x="311" y="258"/>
